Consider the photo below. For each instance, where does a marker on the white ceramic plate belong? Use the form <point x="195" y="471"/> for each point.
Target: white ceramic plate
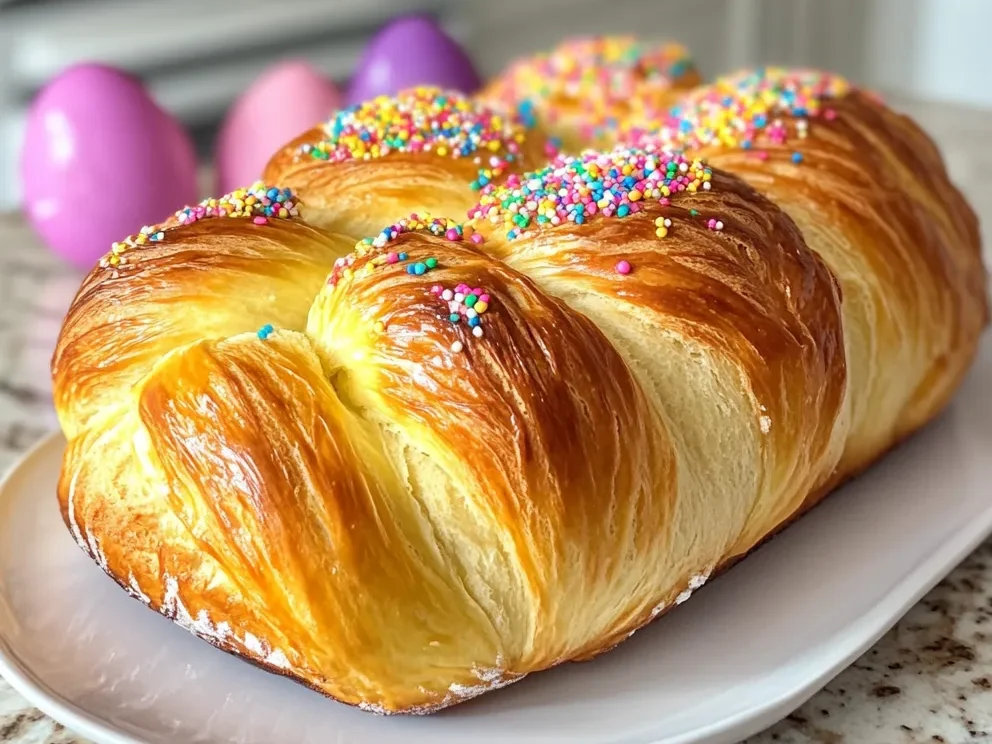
<point x="741" y="654"/>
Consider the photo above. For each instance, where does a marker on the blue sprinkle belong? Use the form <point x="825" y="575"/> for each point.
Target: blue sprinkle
<point x="265" y="331"/>
<point x="797" y="157"/>
<point x="402" y="257"/>
<point x="454" y="317"/>
<point x="473" y="322"/>
<point x="410" y="269"/>
<point x="419" y="268"/>
<point x="622" y="210"/>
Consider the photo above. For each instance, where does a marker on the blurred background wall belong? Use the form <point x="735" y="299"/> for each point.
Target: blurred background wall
<point x="198" y="55"/>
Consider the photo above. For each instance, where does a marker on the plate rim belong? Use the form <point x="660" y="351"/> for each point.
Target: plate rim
<point x="16" y="672"/>
<point x="855" y="640"/>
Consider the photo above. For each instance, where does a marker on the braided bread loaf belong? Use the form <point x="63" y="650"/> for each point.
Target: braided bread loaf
<point x="475" y="451"/>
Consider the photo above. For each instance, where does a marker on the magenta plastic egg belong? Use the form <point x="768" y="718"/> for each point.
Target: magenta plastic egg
<point x="100" y="159"/>
<point x="409" y="52"/>
<point x="284" y="102"/>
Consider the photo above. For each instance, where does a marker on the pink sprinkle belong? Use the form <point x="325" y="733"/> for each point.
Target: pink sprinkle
<point x="830" y="114"/>
<point x="453" y="234"/>
<point x="392" y="257"/>
<point x="483" y="297"/>
<point x="436" y="289"/>
<point x="711" y="224"/>
<point x="477" y="291"/>
<point x="260" y="220"/>
<point x="476" y="238"/>
<point x="623" y="267"/>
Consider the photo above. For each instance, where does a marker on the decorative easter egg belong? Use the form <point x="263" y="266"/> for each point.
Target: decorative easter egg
<point x="408" y="52"/>
<point x="100" y="159"/>
<point x="287" y="100"/>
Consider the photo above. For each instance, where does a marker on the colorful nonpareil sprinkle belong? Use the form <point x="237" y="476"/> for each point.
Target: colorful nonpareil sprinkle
<point x="265" y="331"/>
<point x="258" y="202"/>
<point x="575" y="189"/>
<point x="424" y="119"/>
<point x="438" y="226"/>
<point x="464" y="304"/>
<point x="770" y="105"/>
<point x="598" y="76"/>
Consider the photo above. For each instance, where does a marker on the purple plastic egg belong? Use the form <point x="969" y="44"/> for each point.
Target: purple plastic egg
<point x="409" y="52"/>
<point x="100" y="160"/>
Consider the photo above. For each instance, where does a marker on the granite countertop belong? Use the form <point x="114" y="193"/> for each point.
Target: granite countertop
<point x="928" y="680"/>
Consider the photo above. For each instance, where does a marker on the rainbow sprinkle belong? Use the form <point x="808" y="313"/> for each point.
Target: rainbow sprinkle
<point x="741" y="109"/>
<point x="437" y="226"/>
<point x="424" y="119"/>
<point x="573" y="189"/>
<point x="599" y="75"/>
<point x="464" y="303"/>
<point x="258" y="202"/>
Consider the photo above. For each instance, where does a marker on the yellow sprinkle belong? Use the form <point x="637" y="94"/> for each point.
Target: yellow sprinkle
<point x="661" y="232"/>
<point x="480" y="307"/>
<point x="379" y="326"/>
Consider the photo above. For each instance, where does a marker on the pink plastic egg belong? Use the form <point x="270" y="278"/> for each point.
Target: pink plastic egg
<point x="100" y="159"/>
<point x="409" y="52"/>
<point x="284" y="102"/>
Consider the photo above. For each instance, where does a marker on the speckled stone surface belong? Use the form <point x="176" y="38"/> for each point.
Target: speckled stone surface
<point x="928" y="680"/>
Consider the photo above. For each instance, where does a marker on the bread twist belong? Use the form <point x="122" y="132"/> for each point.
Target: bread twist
<point x="423" y="150"/>
<point x="871" y="195"/>
<point x="585" y="89"/>
<point x="478" y="450"/>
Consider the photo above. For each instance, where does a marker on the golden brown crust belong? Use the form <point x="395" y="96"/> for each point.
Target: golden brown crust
<point x="213" y="279"/>
<point x="423" y="150"/>
<point x="872" y="196"/>
<point x="456" y="455"/>
<point x="750" y="293"/>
